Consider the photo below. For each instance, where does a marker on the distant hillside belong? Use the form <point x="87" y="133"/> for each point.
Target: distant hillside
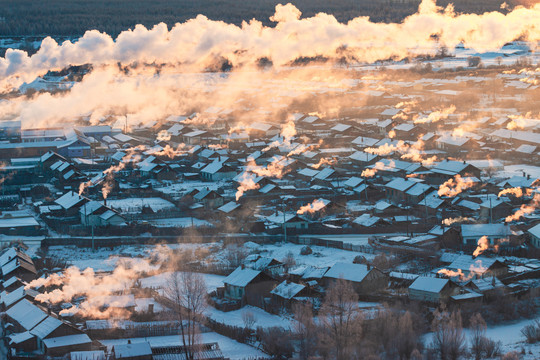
<point x="74" y="17"/>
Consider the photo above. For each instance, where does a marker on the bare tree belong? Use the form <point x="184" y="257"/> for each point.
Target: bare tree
<point x="448" y="337"/>
<point x="235" y="255"/>
<point x="289" y="261"/>
<point x="340" y="319"/>
<point x="305" y="329"/>
<point x="249" y="319"/>
<point x="186" y="292"/>
<point x="478" y="328"/>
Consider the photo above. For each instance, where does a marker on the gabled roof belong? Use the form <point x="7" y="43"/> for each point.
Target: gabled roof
<point x="287" y="289"/>
<point x="70" y="199"/>
<point x="241" y="277"/>
<point x="69" y="340"/>
<point x="46" y="327"/>
<point x="26" y="314"/>
<point x="400" y="184"/>
<point x="467" y="263"/>
<point x="133" y="350"/>
<point x="350" y="272"/>
<point x="228" y="207"/>
<point x="429" y="284"/>
<point x="478" y="230"/>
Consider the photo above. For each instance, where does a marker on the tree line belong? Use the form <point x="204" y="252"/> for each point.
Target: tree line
<point x="74" y="17"/>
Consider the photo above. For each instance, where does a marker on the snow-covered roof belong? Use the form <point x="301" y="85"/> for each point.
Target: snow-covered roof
<point x="241" y="277"/>
<point x="133" y="350"/>
<point x="341" y="127"/>
<point x="451" y="166"/>
<point x="70" y="199"/>
<point x="535" y="231"/>
<point x="418" y="189"/>
<point x="526" y="149"/>
<point x="365" y="141"/>
<point x="46" y="327"/>
<point x="400" y="184"/>
<point x="19" y="337"/>
<point x="467" y="263"/>
<point x="350" y="272"/>
<point x="213" y="167"/>
<point x="479" y="230"/>
<point x="287" y="289"/>
<point x="429" y="284"/>
<point x="362" y="156"/>
<point x="324" y="174"/>
<point x="366" y="220"/>
<point x="353" y="182"/>
<point x="228" y="207"/>
<point x="69" y="340"/>
<point x="26" y="314"/>
<point x="308" y="172"/>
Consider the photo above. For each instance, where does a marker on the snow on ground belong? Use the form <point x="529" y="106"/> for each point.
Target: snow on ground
<point x="159" y="281"/>
<point x="517" y="170"/>
<point x="135" y="205"/>
<point x="230" y="348"/>
<point x="186" y="186"/>
<point x="179" y="222"/>
<point x="263" y="319"/>
<point x="321" y="256"/>
<point x="509" y="335"/>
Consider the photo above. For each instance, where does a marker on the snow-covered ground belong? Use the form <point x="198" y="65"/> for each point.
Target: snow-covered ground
<point x="183" y="222"/>
<point x="262" y="318"/>
<point x="160" y="281"/>
<point x="321" y="256"/>
<point x="230" y="348"/>
<point x="510" y="336"/>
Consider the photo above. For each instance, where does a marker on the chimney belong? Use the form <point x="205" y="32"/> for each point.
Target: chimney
<point x="129" y="341"/>
<point x="528" y="176"/>
<point x="151" y="308"/>
<point x="243" y="266"/>
<point x="368" y="266"/>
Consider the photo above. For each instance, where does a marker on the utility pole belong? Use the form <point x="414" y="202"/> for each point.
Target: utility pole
<point x="284" y="220"/>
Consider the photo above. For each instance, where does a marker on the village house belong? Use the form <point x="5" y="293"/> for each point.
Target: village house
<point x="365" y="279"/>
<point x="286" y="294"/>
<point x="432" y="289"/>
<point x="248" y="286"/>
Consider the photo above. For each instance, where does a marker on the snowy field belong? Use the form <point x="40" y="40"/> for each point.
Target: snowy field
<point x="321" y="256"/>
<point x="510" y="336"/>
<point x="262" y="318"/>
<point x="160" y="281"/>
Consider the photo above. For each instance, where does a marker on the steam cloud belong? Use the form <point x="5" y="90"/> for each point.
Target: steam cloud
<point x="197" y="42"/>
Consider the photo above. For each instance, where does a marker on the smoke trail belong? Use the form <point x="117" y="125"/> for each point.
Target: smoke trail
<point x="311" y="208"/>
<point x="196" y="43"/>
<point x="455" y="186"/>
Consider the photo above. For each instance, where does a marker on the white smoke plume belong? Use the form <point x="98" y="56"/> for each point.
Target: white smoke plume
<point x="96" y="289"/>
<point x="525" y="209"/>
<point x="311" y="208"/>
<point x="197" y="42"/>
<point x="455" y="186"/>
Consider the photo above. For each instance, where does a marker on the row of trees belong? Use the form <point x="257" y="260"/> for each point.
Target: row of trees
<point x="340" y="330"/>
<point x="74" y="17"/>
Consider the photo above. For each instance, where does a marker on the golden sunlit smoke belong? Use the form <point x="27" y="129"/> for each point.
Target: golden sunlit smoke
<point x="83" y="186"/>
<point x="460" y="219"/>
<point x="517" y="192"/>
<point x="413" y="152"/>
<point x="171" y="152"/>
<point x="367" y="173"/>
<point x="483" y="245"/>
<point x="324" y="161"/>
<point x="436" y="116"/>
<point x="315" y="206"/>
<point x="246" y="183"/>
<point x="391" y="134"/>
<point x="455" y="186"/>
<point x="94" y="288"/>
<point x="291" y="38"/>
<point x="525" y="209"/>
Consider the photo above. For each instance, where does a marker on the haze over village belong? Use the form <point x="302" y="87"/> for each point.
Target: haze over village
<point x="310" y="189"/>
